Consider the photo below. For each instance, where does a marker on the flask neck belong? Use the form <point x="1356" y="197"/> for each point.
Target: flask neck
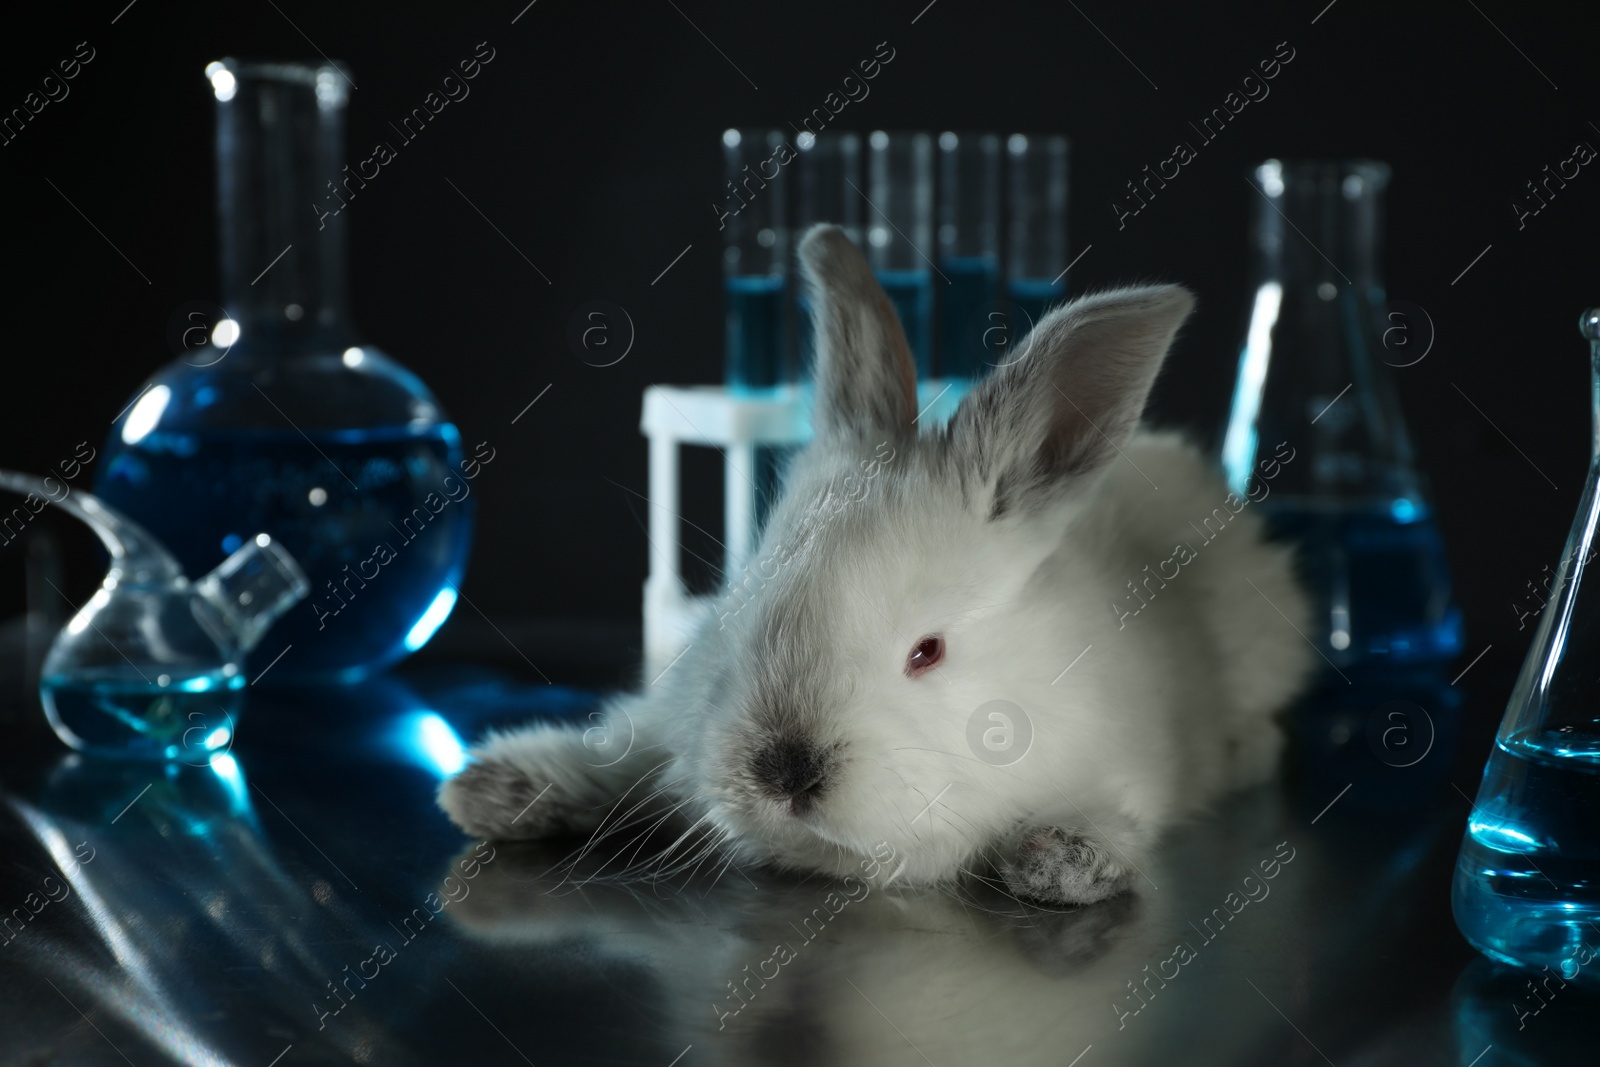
<point x="1319" y="227"/>
<point x="1318" y="328"/>
<point x="249" y="591"/>
<point x="1594" y="405"/>
<point x="280" y="131"/>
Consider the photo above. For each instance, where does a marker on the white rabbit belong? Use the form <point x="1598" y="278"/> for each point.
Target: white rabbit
<point x="908" y="580"/>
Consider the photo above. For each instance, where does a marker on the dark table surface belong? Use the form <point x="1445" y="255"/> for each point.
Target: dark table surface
<point x="304" y="902"/>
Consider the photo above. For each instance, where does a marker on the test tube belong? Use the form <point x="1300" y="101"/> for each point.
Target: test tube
<point x="969" y="251"/>
<point x="1037" y="260"/>
<point x="828" y="174"/>
<point x="751" y="210"/>
<point x="899" y="232"/>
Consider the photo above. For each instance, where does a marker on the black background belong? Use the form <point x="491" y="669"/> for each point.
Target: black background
<point x="592" y="142"/>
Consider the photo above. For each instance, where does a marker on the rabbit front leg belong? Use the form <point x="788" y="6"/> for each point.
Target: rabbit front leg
<point x="548" y="779"/>
<point x="1060" y="865"/>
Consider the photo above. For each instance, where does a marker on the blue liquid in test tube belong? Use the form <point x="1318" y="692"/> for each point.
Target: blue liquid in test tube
<point x="900" y="231"/>
<point x="755" y="330"/>
<point x="1030" y="299"/>
<point x="828" y="173"/>
<point x="1037" y="258"/>
<point x="755" y="286"/>
<point x="911" y="293"/>
<point x="972" y="329"/>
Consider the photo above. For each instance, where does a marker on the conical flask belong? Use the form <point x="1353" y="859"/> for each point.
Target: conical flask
<point x="1527" y="883"/>
<point x="1315" y="406"/>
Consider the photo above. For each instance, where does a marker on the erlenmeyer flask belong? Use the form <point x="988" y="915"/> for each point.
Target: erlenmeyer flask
<point x="1527" y="884"/>
<point x="1311" y="388"/>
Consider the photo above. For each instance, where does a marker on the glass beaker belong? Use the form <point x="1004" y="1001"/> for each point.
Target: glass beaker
<point x="286" y="423"/>
<point x="1313" y="404"/>
<point x="1527" y="882"/>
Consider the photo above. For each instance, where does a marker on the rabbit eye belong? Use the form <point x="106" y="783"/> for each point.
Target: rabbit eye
<point x="926" y="653"/>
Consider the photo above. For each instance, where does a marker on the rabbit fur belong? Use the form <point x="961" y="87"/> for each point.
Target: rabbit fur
<point x="796" y="732"/>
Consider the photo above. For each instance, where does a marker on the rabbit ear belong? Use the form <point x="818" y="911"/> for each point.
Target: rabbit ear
<point x="1071" y="400"/>
<point x="866" y="382"/>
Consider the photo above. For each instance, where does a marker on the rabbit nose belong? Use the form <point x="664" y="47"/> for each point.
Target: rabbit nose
<point x="790" y="769"/>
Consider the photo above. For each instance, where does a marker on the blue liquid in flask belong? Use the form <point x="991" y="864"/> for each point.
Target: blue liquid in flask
<point x="365" y="512"/>
<point x="1527" y="886"/>
<point x="118" y="710"/>
<point x="1382" y="579"/>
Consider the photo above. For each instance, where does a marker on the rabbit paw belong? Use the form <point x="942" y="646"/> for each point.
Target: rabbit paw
<point x="1058" y="866"/>
<point x="521" y="785"/>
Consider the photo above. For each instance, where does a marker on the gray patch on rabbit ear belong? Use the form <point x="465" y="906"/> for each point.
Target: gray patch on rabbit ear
<point x="1063" y="409"/>
<point x="866" y="381"/>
